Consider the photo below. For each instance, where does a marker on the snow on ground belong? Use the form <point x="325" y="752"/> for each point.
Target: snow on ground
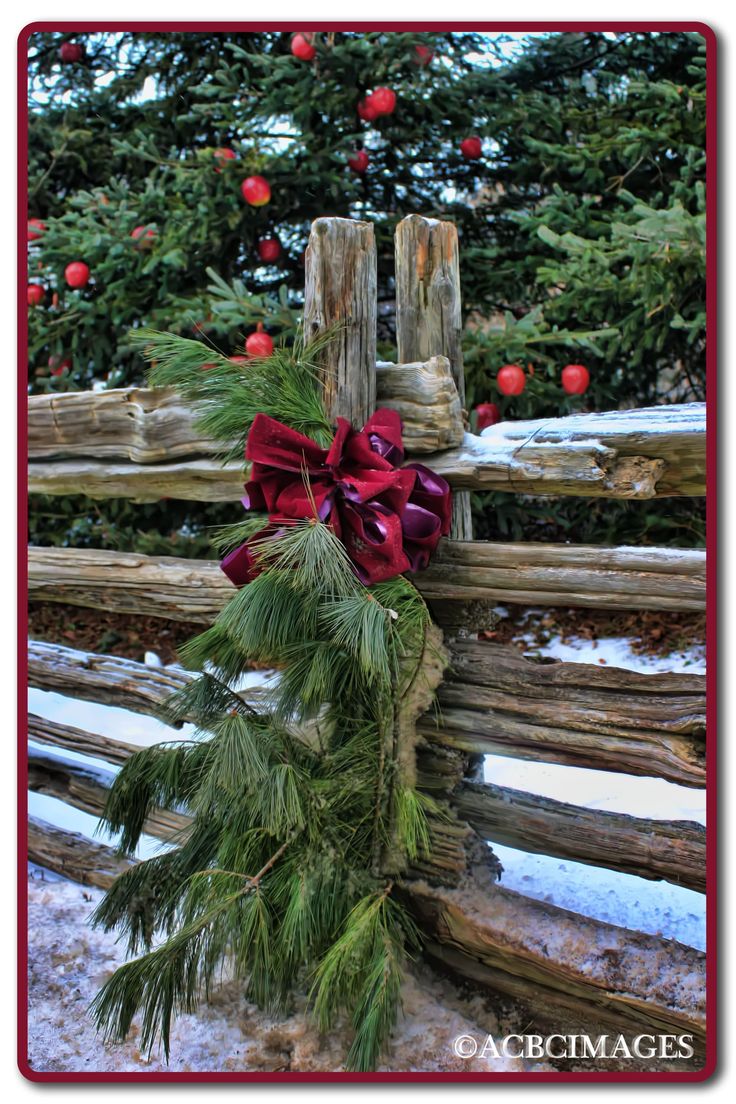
<point x="658" y="908"/>
<point x="614" y="651"/>
<point x="69" y="961"/>
<point x="611" y="651"/>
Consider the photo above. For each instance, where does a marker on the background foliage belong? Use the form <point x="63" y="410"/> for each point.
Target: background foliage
<point x="582" y="226"/>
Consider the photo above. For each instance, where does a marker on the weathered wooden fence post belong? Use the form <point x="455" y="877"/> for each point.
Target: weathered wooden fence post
<point x="428" y="313"/>
<point x="340" y="289"/>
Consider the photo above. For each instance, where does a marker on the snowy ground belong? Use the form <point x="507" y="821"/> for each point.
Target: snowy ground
<point x="69" y="960"/>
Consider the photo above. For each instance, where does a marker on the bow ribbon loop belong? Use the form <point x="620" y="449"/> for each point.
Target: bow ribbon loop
<point x="389" y="518"/>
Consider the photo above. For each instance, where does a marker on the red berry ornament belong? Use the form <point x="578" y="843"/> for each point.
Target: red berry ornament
<point x="511" y="379"/>
<point x="239" y="359"/>
<point x="367" y="111"/>
<point x="70" y="52"/>
<point x="256" y="190"/>
<point x="259" y="344"/>
<point x="269" y="249"/>
<point x="359" y="162"/>
<point x="471" y="148"/>
<point x="58" y="367"/>
<point x="77" y="274"/>
<point x="35" y="295"/>
<point x="222" y="155"/>
<point x="301" y="46"/>
<point x="423" y="55"/>
<point x="383" y="101"/>
<point x="575" y="379"/>
<point x="144" y="235"/>
<point x="486" y="414"/>
<point x="35" y="229"/>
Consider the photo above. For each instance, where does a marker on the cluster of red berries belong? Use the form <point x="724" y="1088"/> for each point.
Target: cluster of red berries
<point x="256" y="191"/>
<point x="143" y="236"/>
<point x="382" y="101"/>
<point x="77" y="276"/>
<point x="511" y="380"/>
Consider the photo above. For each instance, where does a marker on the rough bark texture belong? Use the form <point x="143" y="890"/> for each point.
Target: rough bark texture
<point x="340" y="289"/>
<point x="153" y="426"/>
<point x="495" y="701"/>
<point x="425" y="396"/>
<point x="639" y="454"/>
<point x="429" y="312"/>
<point x="108" y="680"/>
<point x="73" y="856"/>
<point x="566" y="575"/>
<point x="416" y="695"/>
<point x="673" y="850"/>
<point x="129" y="582"/>
<point x="647" y="453"/>
<point x="86" y="789"/>
<point x="44" y="731"/>
<point x="200" y="480"/>
<point x="562" y="963"/>
<point x="143" y="425"/>
<point x="463" y="575"/>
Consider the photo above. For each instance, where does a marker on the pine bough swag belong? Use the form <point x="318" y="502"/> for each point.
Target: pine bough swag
<point x="301" y="812"/>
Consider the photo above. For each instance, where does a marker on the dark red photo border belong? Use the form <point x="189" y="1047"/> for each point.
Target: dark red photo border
<point x="711" y="636"/>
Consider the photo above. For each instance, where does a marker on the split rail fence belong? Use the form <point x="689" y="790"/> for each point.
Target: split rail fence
<point x="143" y="445"/>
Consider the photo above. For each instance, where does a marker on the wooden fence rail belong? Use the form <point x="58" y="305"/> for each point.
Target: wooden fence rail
<point x="154" y="426"/>
<point x="562" y="964"/>
<point x="672" y="850"/>
<point x="86" y="789"/>
<point x="461" y="572"/>
<point x="652" y="849"/>
<point x="527" y="949"/>
<point x="73" y="855"/>
<point x="637" y="454"/>
<point x="649" y="725"/>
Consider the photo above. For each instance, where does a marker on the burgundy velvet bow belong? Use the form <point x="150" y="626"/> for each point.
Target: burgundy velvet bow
<point x="390" y="519"/>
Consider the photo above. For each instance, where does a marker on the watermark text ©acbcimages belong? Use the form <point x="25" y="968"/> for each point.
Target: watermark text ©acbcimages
<point x="574" y="1046"/>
